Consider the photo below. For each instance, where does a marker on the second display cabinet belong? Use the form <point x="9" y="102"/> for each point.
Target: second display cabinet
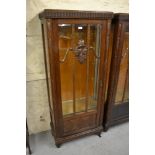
<point x="117" y="104"/>
<point x="76" y="47"/>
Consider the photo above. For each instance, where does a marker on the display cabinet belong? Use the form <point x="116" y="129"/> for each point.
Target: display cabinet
<point x="117" y="103"/>
<point x="76" y="47"/>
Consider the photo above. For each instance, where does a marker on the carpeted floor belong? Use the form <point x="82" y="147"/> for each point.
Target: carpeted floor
<point x="113" y="142"/>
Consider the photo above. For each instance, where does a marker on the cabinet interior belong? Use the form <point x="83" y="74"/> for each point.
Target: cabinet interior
<point x="79" y="73"/>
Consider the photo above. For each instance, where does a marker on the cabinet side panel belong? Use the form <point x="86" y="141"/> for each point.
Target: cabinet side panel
<point x="104" y="71"/>
<point x="52" y="32"/>
<point x="48" y="77"/>
<point x="109" y="58"/>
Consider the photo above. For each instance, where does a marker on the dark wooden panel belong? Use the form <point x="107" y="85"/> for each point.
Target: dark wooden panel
<point x="78" y="124"/>
<point x="61" y="140"/>
<point x="120" y="110"/>
<point x="120" y="114"/>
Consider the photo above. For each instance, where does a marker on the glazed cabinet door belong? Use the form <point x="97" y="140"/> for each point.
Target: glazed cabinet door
<point x="122" y="90"/>
<point x="81" y="72"/>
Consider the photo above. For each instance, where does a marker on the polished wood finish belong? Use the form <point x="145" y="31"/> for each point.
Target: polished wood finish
<point x="73" y="123"/>
<point x="117" y="103"/>
<point x="74" y="14"/>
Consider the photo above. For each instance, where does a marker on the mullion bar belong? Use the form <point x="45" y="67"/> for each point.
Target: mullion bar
<point x="97" y="52"/>
<point x="87" y="78"/>
<point x="72" y="44"/>
<point x="125" y="85"/>
<point x="127" y="76"/>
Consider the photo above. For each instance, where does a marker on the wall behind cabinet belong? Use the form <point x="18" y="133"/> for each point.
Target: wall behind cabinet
<point x="37" y="101"/>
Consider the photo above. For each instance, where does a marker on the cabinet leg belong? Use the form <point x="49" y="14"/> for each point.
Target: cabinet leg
<point x="105" y="128"/>
<point x="29" y="150"/>
<point x="58" y="145"/>
<point x="99" y="134"/>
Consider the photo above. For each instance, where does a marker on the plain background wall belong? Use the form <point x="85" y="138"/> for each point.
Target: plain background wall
<point x="37" y="101"/>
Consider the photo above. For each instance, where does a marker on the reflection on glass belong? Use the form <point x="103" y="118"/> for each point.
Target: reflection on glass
<point x="126" y="93"/>
<point x="94" y="54"/>
<point x="65" y="33"/>
<point x="80" y="70"/>
<point x="122" y="85"/>
<point x="79" y="79"/>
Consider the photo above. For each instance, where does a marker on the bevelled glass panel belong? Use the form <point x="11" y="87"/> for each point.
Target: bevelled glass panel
<point x="79" y="56"/>
<point x="80" y="69"/>
<point x="93" y="69"/>
<point x="66" y="68"/>
<point x="126" y="93"/>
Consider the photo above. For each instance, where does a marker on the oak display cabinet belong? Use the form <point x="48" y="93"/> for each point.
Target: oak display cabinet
<point x="117" y="104"/>
<point x="76" y="47"/>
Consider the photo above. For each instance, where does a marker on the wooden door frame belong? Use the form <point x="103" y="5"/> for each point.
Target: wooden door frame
<point x="52" y="24"/>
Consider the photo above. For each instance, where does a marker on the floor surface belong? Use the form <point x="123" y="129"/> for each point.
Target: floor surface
<point x="113" y="142"/>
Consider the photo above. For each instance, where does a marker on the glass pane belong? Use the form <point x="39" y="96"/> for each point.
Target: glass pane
<point x="94" y="54"/>
<point x="66" y="68"/>
<point x="79" y="55"/>
<point x="126" y="93"/>
<point x="123" y="73"/>
<point x="80" y="69"/>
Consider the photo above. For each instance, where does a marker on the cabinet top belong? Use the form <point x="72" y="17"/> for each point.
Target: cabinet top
<point x="121" y="16"/>
<point x="75" y="14"/>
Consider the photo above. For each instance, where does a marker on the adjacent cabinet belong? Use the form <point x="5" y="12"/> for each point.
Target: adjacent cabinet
<point x="82" y="87"/>
<point x="117" y="102"/>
